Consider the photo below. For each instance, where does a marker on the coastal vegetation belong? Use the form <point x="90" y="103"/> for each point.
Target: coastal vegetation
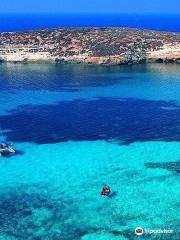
<point x="90" y="45"/>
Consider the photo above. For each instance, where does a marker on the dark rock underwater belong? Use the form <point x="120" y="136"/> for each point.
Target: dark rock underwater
<point x="123" y="120"/>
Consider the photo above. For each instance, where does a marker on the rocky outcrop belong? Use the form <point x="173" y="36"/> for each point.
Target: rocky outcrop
<point x="90" y="46"/>
<point x="168" y="53"/>
<point x="171" y="166"/>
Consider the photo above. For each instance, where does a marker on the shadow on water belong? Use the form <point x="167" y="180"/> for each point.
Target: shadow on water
<point x="124" y="120"/>
<point x="113" y="194"/>
<point x="18" y="152"/>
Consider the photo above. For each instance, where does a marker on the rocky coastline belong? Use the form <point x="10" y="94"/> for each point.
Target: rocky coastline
<point x="109" y="46"/>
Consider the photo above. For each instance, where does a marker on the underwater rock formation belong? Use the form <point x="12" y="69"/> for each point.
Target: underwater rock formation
<point x="171" y="166"/>
<point x="27" y="214"/>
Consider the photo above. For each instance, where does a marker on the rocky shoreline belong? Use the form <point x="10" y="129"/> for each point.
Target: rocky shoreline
<point x="109" y="46"/>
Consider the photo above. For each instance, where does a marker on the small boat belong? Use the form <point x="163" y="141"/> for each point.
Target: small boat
<point x="6" y="148"/>
<point x="105" y="191"/>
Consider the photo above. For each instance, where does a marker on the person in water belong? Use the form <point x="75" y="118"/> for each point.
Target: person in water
<point x="105" y="191"/>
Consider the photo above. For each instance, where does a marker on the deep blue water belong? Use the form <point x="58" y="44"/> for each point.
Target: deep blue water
<point x="19" y="22"/>
<point x="78" y="127"/>
<point x="112" y="118"/>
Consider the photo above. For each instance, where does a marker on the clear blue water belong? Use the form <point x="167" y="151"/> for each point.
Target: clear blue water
<point x="19" y="22"/>
<point x="77" y="128"/>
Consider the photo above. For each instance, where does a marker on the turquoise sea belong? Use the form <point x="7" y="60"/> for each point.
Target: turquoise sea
<point x="77" y="128"/>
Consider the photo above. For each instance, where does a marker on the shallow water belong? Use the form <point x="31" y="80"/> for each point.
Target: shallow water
<point x="77" y="128"/>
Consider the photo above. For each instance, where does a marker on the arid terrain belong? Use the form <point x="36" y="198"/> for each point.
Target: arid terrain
<point x="90" y="45"/>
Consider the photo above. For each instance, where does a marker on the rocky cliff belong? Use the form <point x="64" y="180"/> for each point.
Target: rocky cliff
<point x="90" y="45"/>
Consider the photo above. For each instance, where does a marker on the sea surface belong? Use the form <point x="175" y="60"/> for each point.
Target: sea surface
<point x="77" y="128"/>
<point x="21" y="22"/>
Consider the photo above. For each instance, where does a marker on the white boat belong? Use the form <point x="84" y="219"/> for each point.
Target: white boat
<point x="6" y="148"/>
